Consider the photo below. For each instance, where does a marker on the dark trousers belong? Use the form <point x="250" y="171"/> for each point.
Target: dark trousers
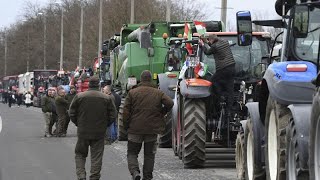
<point x="62" y="117"/>
<point x="66" y="124"/>
<point x="134" y="147"/>
<point x="223" y="84"/>
<point x="96" y="151"/>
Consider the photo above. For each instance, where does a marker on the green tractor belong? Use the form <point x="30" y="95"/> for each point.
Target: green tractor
<point x="141" y="47"/>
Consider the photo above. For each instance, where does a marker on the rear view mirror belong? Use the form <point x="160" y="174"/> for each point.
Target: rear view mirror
<point x="301" y="21"/>
<point x="244" y="28"/>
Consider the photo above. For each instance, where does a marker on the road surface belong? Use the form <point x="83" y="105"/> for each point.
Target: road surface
<point x="26" y="155"/>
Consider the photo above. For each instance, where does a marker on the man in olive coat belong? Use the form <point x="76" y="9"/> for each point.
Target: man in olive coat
<point x="61" y="106"/>
<point x="48" y="108"/>
<point x="143" y="116"/>
<point x="69" y="98"/>
<point x="91" y="111"/>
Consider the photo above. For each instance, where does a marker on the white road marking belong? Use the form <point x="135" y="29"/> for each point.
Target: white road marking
<point x="0" y="124"/>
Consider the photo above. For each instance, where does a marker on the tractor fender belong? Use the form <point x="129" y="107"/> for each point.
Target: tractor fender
<point x="301" y="114"/>
<point x="194" y="91"/>
<point x="166" y="84"/>
<point x="284" y="86"/>
<point x="258" y="129"/>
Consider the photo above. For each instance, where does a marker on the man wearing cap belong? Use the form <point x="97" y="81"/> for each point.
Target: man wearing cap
<point x="143" y="116"/>
<point x="91" y="111"/>
<point x="223" y="79"/>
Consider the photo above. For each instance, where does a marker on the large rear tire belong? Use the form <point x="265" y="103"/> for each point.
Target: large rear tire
<point x="253" y="166"/>
<point x="240" y="163"/>
<point x="294" y="172"/>
<point x="276" y="121"/>
<point x="194" y="133"/>
<point x="165" y="140"/>
<point x="122" y="133"/>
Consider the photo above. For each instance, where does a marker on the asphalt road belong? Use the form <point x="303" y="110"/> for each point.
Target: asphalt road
<point x="26" y="155"/>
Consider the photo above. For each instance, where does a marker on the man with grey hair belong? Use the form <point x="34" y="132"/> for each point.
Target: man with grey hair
<point x="143" y="116"/>
<point x="223" y="79"/>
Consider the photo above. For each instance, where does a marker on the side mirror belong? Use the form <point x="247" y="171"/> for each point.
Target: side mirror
<point x="301" y="21"/>
<point x="145" y="40"/>
<point x="244" y="28"/>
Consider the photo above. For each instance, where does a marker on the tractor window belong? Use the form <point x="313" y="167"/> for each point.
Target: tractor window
<point x="307" y="48"/>
<point x="210" y="62"/>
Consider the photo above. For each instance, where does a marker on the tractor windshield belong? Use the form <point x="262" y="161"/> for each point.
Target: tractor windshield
<point x="246" y="57"/>
<point x="307" y="48"/>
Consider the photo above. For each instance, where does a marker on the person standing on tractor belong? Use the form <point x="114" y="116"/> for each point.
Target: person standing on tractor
<point x="223" y="79"/>
<point x="91" y="111"/>
<point x="143" y="117"/>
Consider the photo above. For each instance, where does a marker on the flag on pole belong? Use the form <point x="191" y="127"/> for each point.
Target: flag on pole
<point x="188" y="36"/>
<point x="201" y="27"/>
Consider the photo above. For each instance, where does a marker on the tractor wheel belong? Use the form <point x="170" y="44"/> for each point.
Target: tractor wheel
<point x="240" y="162"/>
<point x="174" y="135"/>
<point x="276" y="121"/>
<point x="194" y="133"/>
<point x="122" y="133"/>
<point x="165" y="140"/>
<point x="294" y="172"/>
<point x="314" y="143"/>
<point x="253" y="167"/>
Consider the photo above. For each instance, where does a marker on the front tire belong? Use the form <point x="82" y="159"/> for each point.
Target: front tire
<point x="122" y="133"/>
<point x="314" y="143"/>
<point x="294" y="172"/>
<point x="253" y="166"/>
<point x="165" y="140"/>
<point x="276" y="121"/>
<point x="194" y="133"/>
<point x="240" y="162"/>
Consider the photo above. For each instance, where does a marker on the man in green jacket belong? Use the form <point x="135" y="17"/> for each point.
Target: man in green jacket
<point x="62" y="107"/>
<point x="69" y="98"/>
<point x="143" y="116"/>
<point x="49" y="111"/>
<point x="91" y="111"/>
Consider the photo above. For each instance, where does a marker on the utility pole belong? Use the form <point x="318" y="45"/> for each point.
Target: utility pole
<point x="132" y="12"/>
<point x="44" y="39"/>
<point x="61" y="39"/>
<point x="224" y="5"/>
<point x="81" y="35"/>
<point x="168" y="12"/>
<point x="5" y="52"/>
<point x="100" y="32"/>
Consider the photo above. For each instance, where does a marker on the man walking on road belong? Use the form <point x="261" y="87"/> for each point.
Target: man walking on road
<point x="49" y="110"/>
<point x="91" y="111"/>
<point x="62" y="106"/>
<point x="143" y="116"/>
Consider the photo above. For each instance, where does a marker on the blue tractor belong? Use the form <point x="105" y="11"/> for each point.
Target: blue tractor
<point x="280" y="139"/>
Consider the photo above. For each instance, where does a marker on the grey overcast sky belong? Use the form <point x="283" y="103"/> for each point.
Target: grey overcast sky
<point x="11" y="10"/>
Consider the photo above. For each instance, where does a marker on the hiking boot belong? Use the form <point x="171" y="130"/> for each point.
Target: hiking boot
<point x="136" y="175"/>
<point x="47" y="135"/>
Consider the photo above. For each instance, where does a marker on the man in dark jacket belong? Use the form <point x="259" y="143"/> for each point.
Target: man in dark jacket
<point x="143" y="115"/>
<point x="49" y="111"/>
<point x="69" y="98"/>
<point x="223" y="79"/>
<point x="91" y="111"/>
<point x="61" y="107"/>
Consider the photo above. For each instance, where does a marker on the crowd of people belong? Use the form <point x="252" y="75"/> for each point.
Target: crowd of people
<point x="13" y="97"/>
